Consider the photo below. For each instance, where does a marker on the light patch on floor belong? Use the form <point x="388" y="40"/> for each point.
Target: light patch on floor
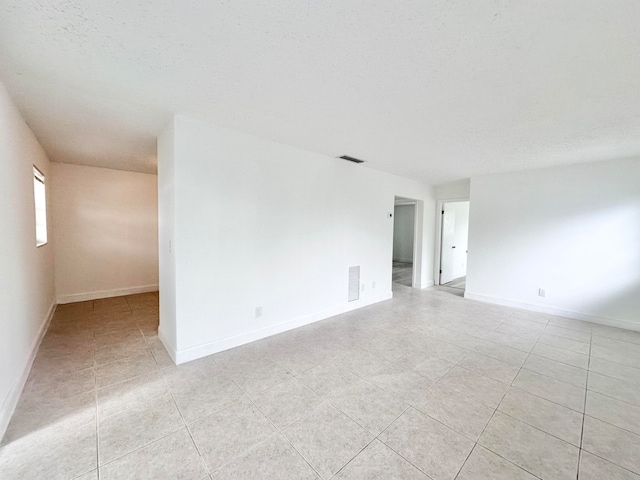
<point x="427" y="385"/>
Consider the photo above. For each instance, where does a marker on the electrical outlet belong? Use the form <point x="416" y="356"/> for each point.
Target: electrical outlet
<point x="373" y="285"/>
<point x="362" y="287"/>
<point x="258" y="312"/>
<point x="542" y="292"/>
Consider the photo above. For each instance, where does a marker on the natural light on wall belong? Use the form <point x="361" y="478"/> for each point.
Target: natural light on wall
<point x="41" y="207"/>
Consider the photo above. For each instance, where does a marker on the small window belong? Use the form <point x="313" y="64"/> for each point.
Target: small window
<point x="41" y="207"/>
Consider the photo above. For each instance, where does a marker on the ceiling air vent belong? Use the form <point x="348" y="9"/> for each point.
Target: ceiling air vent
<point x="351" y="159"/>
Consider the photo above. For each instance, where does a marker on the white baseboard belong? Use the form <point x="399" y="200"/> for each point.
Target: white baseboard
<point x="585" y="317"/>
<point x="11" y="402"/>
<point x="203" y="350"/>
<point x="83" y="297"/>
<point x="425" y="285"/>
<point x="167" y="345"/>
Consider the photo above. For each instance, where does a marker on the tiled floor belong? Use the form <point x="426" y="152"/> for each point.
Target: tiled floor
<point x="460" y="282"/>
<point x="427" y="385"/>
<point x="402" y="273"/>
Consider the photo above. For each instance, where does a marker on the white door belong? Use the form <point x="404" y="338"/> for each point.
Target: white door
<point x="455" y="232"/>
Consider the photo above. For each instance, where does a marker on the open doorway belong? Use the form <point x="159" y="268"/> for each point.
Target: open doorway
<point x="404" y="230"/>
<point x="454" y="234"/>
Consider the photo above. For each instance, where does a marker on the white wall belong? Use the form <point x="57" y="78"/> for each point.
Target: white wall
<point x="105" y="232"/>
<point x="574" y="231"/>
<point x="26" y="282"/>
<point x="166" y="235"/>
<point x="261" y="224"/>
<point x="403" y="220"/>
<point x="453" y="191"/>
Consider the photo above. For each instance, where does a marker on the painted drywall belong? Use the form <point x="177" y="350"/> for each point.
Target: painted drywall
<point x="26" y="284"/>
<point x="262" y="224"/>
<point x="166" y="237"/>
<point x="455" y="233"/>
<point x="573" y="231"/>
<point x="453" y="191"/>
<point x="403" y="220"/>
<point x="105" y="232"/>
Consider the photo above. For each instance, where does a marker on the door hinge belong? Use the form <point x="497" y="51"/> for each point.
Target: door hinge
<point x="440" y="271"/>
<point x="443" y="212"/>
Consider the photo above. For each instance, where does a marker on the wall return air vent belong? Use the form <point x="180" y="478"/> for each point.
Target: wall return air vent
<point x="351" y="159"/>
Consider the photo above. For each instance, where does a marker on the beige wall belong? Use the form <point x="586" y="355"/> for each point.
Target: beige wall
<point x="26" y="271"/>
<point x="105" y="232"/>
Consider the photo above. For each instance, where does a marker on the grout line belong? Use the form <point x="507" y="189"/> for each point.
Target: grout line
<point x="585" y="411"/>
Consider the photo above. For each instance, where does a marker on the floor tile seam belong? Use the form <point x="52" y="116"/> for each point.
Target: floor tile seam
<point x="128" y="379"/>
<point x="482" y="375"/>
<point x="582" y="413"/>
<point x="373" y="439"/>
<point x="556" y="360"/>
<point x="542" y="342"/>
<point x="617" y="363"/>
<point x="275" y="433"/>
<point x="60" y="401"/>
<point x="506" y="460"/>
<point x="507" y="346"/>
<point x="140" y="447"/>
<point x="410" y="369"/>
<point x="462" y="434"/>
<point x="127" y="358"/>
<point x="135" y="377"/>
<point x="506" y="364"/>
<point x="560" y="348"/>
<point x="618" y="339"/>
<point x="614" y="426"/>
<point x="500" y="359"/>
<point x="544" y="398"/>
<point x="529" y="369"/>
<point x="509" y="461"/>
<point x="520" y="466"/>
<point x="396" y="451"/>
<point x="173" y="431"/>
<point x="585" y="403"/>
<point x="186" y="425"/>
<point x="542" y="429"/>
<point x="275" y="428"/>
<point x="475" y="444"/>
<point x="97" y="433"/>
<point x="145" y="403"/>
<point x="552" y="378"/>
<point x="570" y="330"/>
<point x="518" y="311"/>
<point x="396" y="396"/>
<point x="637" y="405"/>
<point x="120" y="342"/>
<point x="122" y="359"/>
<point x="337" y="407"/>
<point x="610" y="461"/>
<point x="299" y="453"/>
<point x="261" y="390"/>
<point x="628" y="357"/>
<point x="203" y="463"/>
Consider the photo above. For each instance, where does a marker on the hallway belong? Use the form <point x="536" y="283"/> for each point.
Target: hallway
<point x="427" y="385"/>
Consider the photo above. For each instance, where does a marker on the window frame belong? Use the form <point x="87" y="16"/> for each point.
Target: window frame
<point x="40" y="210"/>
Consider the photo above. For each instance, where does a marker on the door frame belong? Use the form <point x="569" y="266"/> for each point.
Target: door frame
<point x="438" y="254"/>
<point x="416" y="270"/>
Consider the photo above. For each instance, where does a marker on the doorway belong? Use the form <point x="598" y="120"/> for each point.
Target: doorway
<point x="404" y="230"/>
<point x="454" y="234"/>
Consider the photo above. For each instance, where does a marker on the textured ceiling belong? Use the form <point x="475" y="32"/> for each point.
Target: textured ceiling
<point x="435" y="90"/>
